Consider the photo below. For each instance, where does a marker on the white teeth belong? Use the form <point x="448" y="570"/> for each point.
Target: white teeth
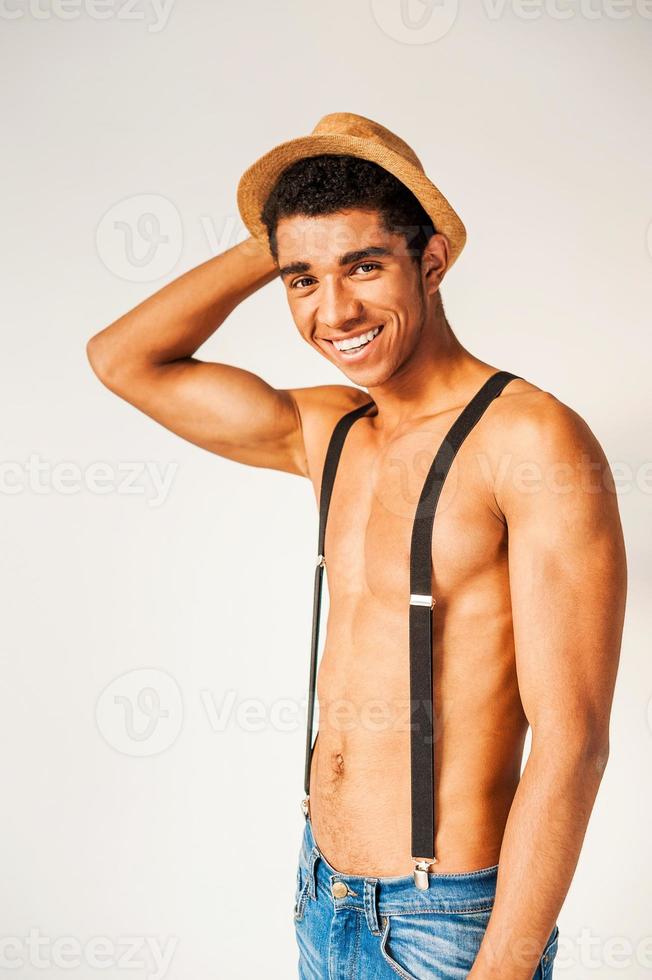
<point x="359" y="341"/>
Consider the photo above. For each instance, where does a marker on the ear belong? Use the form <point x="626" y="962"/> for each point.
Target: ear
<point x="434" y="263"/>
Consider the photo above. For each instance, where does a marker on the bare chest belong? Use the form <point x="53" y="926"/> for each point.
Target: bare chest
<point x="372" y="511"/>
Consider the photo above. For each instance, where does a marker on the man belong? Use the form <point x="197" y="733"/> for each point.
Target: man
<point x="524" y="579"/>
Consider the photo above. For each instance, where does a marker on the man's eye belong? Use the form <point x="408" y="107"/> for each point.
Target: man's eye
<point x="368" y="265"/>
<point x="303" y="279"/>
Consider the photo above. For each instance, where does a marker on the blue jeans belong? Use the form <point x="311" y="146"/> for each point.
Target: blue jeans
<point x="354" y="926"/>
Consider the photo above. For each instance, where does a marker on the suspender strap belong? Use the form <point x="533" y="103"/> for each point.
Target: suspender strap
<point x="328" y="479"/>
<point x="422" y="725"/>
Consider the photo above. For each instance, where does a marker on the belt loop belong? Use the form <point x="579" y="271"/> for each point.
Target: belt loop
<point x="370" y="910"/>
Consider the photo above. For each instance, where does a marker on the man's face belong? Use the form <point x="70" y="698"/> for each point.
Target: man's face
<point x="344" y="276"/>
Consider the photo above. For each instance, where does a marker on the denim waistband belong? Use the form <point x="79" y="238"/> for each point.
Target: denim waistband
<point x="469" y="891"/>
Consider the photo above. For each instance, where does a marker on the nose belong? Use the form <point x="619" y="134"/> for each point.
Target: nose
<point x="338" y="307"/>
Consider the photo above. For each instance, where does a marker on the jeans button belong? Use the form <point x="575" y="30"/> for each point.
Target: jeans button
<point x="339" y="889"/>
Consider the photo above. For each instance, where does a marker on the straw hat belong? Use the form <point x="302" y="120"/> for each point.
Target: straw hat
<point x="346" y="132"/>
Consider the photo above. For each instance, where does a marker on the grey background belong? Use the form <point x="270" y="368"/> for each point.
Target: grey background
<point x="182" y="829"/>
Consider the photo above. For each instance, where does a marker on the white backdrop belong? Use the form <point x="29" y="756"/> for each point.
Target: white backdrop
<point x="157" y="599"/>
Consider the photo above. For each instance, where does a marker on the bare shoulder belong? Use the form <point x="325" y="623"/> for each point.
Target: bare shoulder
<point x="538" y="422"/>
<point x="539" y="440"/>
<point x="319" y="408"/>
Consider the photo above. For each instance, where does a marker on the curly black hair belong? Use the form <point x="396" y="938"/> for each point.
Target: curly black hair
<point x="334" y="182"/>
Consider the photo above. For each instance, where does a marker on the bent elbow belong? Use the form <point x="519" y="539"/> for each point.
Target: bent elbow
<point x="102" y="361"/>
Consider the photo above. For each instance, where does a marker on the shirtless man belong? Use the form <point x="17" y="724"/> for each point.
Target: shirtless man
<point x="528" y="578"/>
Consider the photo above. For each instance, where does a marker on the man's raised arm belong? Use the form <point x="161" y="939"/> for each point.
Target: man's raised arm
<point x="567" y="575"/>
<point x="146" y="357"/>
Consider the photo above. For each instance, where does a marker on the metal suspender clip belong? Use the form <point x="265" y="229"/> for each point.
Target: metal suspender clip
<point x="320" y="561"/>
<point x="421" y="600"/>
<point x="421" y="872"/>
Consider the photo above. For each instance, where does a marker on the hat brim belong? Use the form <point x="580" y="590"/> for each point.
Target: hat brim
<point x="258" y="180"/>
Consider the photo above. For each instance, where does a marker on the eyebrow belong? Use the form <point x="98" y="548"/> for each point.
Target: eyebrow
<point x="346" y="259"/>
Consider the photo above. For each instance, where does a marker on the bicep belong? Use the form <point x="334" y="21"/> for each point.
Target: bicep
<point x="222" y="408"/>
<point x="567" y="576"/>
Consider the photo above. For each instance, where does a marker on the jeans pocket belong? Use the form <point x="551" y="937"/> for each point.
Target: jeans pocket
<point x="425" y="944"/>
<point x="389" y="953"/>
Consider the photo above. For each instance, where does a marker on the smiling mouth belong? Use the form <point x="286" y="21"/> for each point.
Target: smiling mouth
<point x="350" y="347"/>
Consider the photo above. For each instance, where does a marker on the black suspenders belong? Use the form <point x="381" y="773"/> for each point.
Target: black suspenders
<point x="328" y="479"/>
<point x="421" y="605"/>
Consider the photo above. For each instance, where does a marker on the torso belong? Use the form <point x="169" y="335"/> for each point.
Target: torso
<point x="360" y="772"/>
